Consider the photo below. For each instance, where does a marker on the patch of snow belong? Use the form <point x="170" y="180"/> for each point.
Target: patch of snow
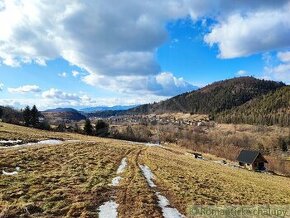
<point x="73" y="140"/>
<point x="108" y="210"/>
<point x="116" y="180"/>
<point x="152" y="145"/>
<point x="43" y="142"/>
<point x="148" y="175"/>
<point x="146" y="144"/>
<point x="163" y="202"/>
<point x="48" y="142"/>
<point x="122" y="166"/>
<point x="9" y="173"/>
<point x="167" y="211"/>
<point x="10" y="141"/>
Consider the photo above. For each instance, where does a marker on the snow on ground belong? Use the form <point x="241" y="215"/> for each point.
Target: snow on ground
<point x="108" y="210"/>
<point x="122" y="166"/>
<point x="163" y="202"/>
<point x="43" y="142"/>
<point x="9" y="173"/>
<point x="116" y="180"/>
<point x="10" y="141"/>
<point x="146" y="144"/>
<point x="148" y="175"/>
<point x="167" y="211"/>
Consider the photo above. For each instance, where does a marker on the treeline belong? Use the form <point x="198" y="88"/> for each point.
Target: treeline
<point x="270" y="109"/>
<point x="32" y="117"/>
<point x="27" y="117"/>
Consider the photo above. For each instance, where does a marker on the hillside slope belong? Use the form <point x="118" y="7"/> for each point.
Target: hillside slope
<point x="270" y="109"/>
<point x="213" y="98"/>
<point x="74" y="178"/>
<point x="63" y="115"/>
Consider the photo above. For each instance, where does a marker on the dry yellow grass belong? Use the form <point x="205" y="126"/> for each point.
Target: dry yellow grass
<point x="188" y="181"/>
<point x="73" y="179"/>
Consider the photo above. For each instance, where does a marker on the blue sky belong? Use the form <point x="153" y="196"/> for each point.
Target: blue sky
<point x="86" y="53"/>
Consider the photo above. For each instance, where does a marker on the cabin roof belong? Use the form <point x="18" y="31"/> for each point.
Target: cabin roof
<point x="248" y="156"/>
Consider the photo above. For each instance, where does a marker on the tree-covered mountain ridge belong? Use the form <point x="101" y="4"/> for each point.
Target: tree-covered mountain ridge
<point x="214" y="98"/>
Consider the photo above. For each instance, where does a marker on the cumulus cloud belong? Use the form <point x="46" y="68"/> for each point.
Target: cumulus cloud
<point x="1" y="86"/>
<point x="280" y="71"/>
<point x="57" y="98"/>
<point x="254" y="32"/>
<point x="25" y="89"/>
<point x="163" y="84"/>
<point x="116" y="45"/>
<point x="57" y="94"/>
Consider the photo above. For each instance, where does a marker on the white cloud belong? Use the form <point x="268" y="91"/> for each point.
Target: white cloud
<point x="284" y="56"/>
<point x="54" y="98"/>
<point x="25" y="89"/>
<point x="57" y="94"/>
<point x="280" y="71"/>
<point x="254" y="32"/>
<point x="241" y="73"/>
<point x="63" y="74"/>
<point x="75" y="73"/>
<point x="116" y="44"/>
<point x="1" y="86"/>
<point x="163" y="84"/>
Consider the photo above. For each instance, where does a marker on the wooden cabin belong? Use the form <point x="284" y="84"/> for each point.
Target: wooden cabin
<point x="252" y="160"/>
<point x="197" y="155"/>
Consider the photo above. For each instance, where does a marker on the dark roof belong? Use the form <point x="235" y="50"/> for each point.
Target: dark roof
<point x="248" y="156"/>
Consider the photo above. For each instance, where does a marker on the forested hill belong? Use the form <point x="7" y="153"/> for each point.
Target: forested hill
<point x="270" y="109"/>
<point x="214" y="98"/>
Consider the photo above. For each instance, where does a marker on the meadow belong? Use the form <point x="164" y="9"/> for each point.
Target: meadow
<point x="73" y="179"/>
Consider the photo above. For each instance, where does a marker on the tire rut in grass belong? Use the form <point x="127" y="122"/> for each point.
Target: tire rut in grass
<point x="134" y="197"/>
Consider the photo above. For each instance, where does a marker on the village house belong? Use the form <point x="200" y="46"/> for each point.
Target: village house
<point x="252" y="160"/>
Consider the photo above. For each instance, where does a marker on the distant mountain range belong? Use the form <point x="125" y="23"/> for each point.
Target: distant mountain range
<point x="63" y="115"/>
<point x="106" y="108"/>
<point x="60" y="110"/>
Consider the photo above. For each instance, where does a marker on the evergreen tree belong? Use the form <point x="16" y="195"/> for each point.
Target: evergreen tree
<point x="27" y="116"/>
<point x="1" y="112"/>
<point x="34" y="116"/>
<point x="88" y="127"/>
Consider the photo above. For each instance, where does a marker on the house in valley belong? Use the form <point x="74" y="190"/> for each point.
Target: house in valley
<point x="252" y="160"/>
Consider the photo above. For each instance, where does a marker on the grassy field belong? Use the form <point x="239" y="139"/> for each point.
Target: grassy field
<point x="73" y="179"/>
